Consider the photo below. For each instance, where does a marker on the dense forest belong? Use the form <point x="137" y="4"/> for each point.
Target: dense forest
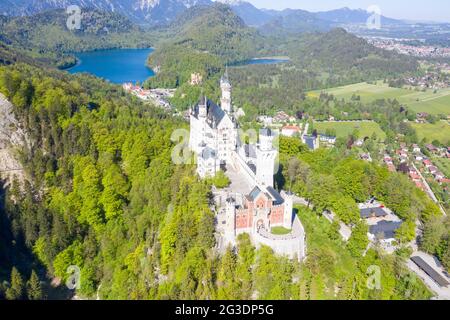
<point x="103" y="194"/>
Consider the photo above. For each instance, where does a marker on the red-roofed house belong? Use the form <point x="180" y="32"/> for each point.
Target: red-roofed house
<point x="427" y="163"/>
<point x="290" y="131"/>
<point x="433" y="169"/>
<point x="419" y="185"/>
<point x="414" y="176"/>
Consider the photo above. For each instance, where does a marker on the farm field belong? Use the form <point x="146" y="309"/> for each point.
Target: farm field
<point x="345" y="128"/>
<point x="439" y="131"/>
<point x="430" y="102"/>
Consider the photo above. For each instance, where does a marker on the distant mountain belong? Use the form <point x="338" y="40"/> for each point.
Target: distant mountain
<point x="350" y="16"/>
<point x="251" y="15"/>
<point x="140" y="11"/>
<point x="295" y="21"/>
<point x="161" y="12"/>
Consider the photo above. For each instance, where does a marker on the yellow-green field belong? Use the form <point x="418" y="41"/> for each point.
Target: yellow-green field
<point x="344" y="129"/>
<point x="418" y="101"/>
<point x="439" y="131"/>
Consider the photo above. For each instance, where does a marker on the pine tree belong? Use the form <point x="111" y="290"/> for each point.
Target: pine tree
<point x="34" y="289"/>
<point x="16" y="289"/>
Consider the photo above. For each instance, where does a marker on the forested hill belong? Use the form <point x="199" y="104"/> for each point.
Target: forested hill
<point x="45" y="36"/>
<point x="340" y="52"/>
<point x="202" y="40"/>
<point x="217" y="30"/>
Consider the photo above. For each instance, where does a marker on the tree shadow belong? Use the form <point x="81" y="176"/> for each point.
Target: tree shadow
<point x="15" y="253"/>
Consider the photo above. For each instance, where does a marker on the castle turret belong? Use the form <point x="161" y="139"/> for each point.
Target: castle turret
<point x="202" y="108"/>
<point x="225" y="101"/>
<point x="288" y="210"/>
<point x="265" y="158"/>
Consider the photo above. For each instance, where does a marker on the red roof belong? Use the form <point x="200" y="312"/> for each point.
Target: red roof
<point x="291" y="128"/>
<point x="414" y="176"/>
<point x="419" y="184"/>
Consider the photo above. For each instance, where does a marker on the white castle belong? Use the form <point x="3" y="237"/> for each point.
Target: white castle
<point x="215" y="140"/>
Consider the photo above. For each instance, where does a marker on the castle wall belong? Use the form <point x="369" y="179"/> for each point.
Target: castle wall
<point x="277" y="216"/>
<point x="244" y="219"/>
<point x="292" y="246"/>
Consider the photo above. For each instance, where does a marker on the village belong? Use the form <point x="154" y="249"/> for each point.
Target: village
<point x="402" y="46"/>
<point x="160" y="97"/>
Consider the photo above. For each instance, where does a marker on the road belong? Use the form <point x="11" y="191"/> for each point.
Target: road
<point x="429" y="191"/>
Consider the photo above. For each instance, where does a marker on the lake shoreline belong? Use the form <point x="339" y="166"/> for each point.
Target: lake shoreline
<point x="118" y="65"/>
<point x="78" y="61"/>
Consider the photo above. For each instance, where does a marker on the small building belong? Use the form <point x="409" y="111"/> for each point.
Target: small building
<point x="414" y="176"/>
<point x="431" y="148"/>
<point x="415" y="148"/>
<point x="433" y="170"/>
<point x="433" y="274"/>
<point x="359" y="143"/>
<point x="366" y="157"/>
<point x="281" y="117"/>
<point x="427" y="163"/>
<point x="419" y="184"/>
<point x="375" y="212"/>
<point x="266" y="120"/>
<point x="311" y="141"/>
<point x="384" y="230"/>
<point x="327" y="139"/>
<point x="290" y="131"/>
<point x="439" y="176"/>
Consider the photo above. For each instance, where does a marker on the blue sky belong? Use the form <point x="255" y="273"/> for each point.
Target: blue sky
<point x="436" y="10"/>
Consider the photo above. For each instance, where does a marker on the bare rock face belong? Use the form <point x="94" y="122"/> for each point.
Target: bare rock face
<point x="12" y="139"/>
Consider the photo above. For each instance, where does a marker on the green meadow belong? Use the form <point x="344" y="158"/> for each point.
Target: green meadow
<point x="418" y="101"/>
<point x="439" y="131"/>
<point x="344" y="129"/>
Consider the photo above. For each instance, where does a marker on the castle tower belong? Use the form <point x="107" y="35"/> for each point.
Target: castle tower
<point x="288" y="210"/>
<point x="225" y="101"/>
<point x="202" y="108"/>
<point x="230" y="227"/>
<point x="265" y="158"/>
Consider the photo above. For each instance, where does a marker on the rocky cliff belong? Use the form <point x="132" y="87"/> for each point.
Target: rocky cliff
<point x="12" y="139"/>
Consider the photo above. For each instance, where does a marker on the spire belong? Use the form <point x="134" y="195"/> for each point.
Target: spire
<point x="226" y="72"/>
<point x="225" y="78"/>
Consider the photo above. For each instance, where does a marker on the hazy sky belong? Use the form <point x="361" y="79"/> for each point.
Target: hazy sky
<point x="437" y="10"/>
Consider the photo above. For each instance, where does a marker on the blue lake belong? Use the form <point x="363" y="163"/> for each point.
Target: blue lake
<point x="266" y="61"/>
<point x="116" y="65"/>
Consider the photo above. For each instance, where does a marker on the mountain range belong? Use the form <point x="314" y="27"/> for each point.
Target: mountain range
<point x="160" y="12"/>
